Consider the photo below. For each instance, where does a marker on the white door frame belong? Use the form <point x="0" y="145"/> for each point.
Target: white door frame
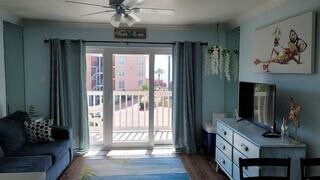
<point x="108" y="92"/>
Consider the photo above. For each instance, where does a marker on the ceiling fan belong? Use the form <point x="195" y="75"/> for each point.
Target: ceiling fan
<point x="125" y="11"/>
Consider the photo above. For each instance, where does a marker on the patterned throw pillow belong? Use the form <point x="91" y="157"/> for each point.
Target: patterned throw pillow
<point x="39" y="131"/>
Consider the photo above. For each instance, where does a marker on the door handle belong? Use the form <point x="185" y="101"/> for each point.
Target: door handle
<point x="223" y="161"/>
<point x="245" y="148"/>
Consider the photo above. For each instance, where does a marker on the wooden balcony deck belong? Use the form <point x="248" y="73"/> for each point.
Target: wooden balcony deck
<point x="161" y="137"/>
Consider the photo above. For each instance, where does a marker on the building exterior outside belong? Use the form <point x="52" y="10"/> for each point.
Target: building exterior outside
<point x="94" y="75"/>
<point x="129" y="72"/>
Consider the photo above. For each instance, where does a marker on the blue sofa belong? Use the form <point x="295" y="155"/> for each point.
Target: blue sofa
<point x="16" y="155"/>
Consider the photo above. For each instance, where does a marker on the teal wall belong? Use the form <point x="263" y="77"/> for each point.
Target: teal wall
<point x="305" y="88"/>
<point x="4" y="16"/>
<point x="14" y="66"/>
<point x="231" y="87"/>
<point x="37" y="57"/>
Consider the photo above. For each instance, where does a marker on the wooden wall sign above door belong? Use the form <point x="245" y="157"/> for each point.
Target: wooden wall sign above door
<point x="130" y="33"/>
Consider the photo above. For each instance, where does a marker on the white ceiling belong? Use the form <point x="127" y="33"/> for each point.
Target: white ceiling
<point x="187" y="11"/>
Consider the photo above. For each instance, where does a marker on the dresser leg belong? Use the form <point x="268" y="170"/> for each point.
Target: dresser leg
<point x="217" y="168"/>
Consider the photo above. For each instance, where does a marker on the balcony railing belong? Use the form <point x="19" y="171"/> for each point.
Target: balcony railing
<point x="131" y="110"/>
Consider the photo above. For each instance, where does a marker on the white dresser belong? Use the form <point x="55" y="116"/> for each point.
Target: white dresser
<point x="244" y="139"/>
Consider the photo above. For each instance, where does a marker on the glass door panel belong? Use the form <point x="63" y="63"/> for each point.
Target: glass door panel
<point x="94" y="83"/>
<point x="163" y="99"/>
<point x="130" y="98"/>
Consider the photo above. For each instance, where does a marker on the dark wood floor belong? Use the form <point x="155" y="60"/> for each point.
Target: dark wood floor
<point x="198" y="167"/>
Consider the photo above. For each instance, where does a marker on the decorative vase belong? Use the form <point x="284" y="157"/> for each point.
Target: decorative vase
<point x="284" y="131"/>
<point x="294" y="116"/>
<point x="235" y="113"/>
<point x="296" y="141"/>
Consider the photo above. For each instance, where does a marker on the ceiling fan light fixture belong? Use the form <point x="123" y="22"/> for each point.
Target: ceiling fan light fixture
<point x="129" y="20"/>
<point x="116" y="20"/>
<point x="136" y="10"/>
<point x="126" y="11"/>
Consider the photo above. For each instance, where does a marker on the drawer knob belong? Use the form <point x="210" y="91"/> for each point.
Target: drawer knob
<point x="223" y="161"/>
<point x="224" y="132"/>
<point x="245" y="148"/>
<point x="223" y="147"/>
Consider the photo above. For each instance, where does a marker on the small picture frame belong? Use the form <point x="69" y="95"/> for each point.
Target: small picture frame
<point x="130" y="33"/>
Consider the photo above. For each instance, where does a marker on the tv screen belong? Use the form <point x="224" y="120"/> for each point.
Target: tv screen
<point x="257" y="103"/>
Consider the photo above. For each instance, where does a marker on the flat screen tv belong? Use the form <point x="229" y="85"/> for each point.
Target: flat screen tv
<point x="257" y="103"/>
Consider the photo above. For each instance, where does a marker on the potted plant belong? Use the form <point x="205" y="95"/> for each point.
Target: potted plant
<point x="144" y="103"/>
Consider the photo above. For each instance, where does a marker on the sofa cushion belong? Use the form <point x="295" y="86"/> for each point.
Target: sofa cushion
<point x="56" y="149"/>
<point x="12" y="137"/>
<point x="39" y="131"/>
<point x="19" y="116"/>
<point x="25" y="164"/>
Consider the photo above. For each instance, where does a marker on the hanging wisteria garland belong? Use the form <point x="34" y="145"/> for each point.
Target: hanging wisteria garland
<point x="218" y="62"/>
<point x="235" y="68"/>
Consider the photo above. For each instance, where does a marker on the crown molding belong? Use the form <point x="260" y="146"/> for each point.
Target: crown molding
<point x="109" y="26"/>
<point x="7" y="16"/>
<point x="262" y="8"/>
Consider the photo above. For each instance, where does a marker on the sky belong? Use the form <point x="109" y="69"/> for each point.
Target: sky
<point x="162" y="62"/>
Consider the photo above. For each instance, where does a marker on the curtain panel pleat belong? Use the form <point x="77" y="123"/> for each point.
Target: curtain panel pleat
<point x="68" y="95"/>
<point x="187" y="96"/>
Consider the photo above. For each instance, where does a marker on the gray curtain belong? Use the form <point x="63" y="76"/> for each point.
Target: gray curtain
<point x="68" y="95"/>
<point x="187" y="96"/>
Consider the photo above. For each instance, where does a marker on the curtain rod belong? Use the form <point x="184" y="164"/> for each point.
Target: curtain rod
<point x="125" y="42"/>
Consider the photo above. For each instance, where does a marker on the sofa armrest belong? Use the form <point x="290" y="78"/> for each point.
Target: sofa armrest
<point x="61" y="133"/>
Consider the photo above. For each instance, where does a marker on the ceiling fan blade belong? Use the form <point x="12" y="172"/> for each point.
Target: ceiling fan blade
<point x="169" y="12"/>
<point x="135" y="17"/>
<point x="89" y="4"/>
<point x="131" y="3"/>
<point x="99" y="12"/>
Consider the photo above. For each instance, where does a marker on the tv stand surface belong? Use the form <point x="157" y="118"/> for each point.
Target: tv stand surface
<point x="244" y="139"/>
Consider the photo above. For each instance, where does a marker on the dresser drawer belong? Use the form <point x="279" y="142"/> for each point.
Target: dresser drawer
<point x="245" y="147"/>
<point x="236" y="156"/>
<point x="224" y="146"/>
<point x="236" y="173"/>
<point x="225" y="132"/>
<point x="224" y="162"/>
<point x="251" y="171"/>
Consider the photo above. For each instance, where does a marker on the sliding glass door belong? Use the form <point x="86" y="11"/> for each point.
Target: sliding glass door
<point x="132" y="99"/>
<point x="135" y="98"/>
<point x="162" y="98"/>
<point x="95" y="86"/>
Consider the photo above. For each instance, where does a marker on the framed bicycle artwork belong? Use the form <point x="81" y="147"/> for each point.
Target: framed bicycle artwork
<point x="286" y="46"/>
